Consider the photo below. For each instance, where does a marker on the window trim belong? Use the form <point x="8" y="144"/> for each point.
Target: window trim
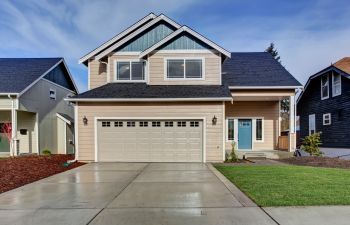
<point x="165" y="61"/>
<point x="333" y="93"/>
<point x="324" y="118"/>
<point x="235" y="129"/>
<point x="262" y="129"/>
<point x="325" y="97"/>
<point x="314" y="116"/>
<point x="145" y="71"/>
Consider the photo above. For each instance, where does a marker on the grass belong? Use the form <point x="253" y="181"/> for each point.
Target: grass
<point x="291" y="185"/>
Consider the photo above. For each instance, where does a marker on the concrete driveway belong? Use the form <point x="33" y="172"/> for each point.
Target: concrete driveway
<point x="131" y="193"/>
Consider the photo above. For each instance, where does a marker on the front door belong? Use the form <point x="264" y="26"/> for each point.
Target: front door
<point x="244" y="134"/>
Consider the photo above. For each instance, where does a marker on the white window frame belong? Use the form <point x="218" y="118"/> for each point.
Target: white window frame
<point x="53" y="97"/>
<point x="325" y="97"/>
<point x="235" y="129"/>
<point x="314" y="118"/>
<point x="262" y="131"/>
<point x="145" y="71"/>
<point x="324" y="119"/>
<point x="333" y="86"/>
<point x="183" y="58"/>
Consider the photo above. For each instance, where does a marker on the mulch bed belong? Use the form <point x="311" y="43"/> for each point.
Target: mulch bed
<point x="18" y="171"/>
<point x="318" y="162"/>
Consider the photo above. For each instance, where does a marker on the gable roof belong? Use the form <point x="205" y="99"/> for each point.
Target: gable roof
<point x="19" y="74"/>
<point x="122" y="34"/>
<point x="343" y="64"/>
<point x="191" y="32"/>
<point x="256" y="70"/>
<point x="143" y="92"/>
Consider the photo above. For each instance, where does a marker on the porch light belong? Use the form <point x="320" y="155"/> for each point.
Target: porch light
<point x="85" y="120"/>
<point x="214" y="120"/>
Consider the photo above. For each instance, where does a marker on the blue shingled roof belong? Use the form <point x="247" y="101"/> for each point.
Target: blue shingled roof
<point x="18" y="73"/>
<point x="255" y="69"/>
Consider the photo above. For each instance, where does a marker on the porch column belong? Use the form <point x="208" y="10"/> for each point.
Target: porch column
<point x="13" y="148"/>
<point x="292" y="135"/>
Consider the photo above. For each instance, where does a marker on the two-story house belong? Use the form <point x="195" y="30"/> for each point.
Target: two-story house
<point x="33" y="113"/>
<point x="325" y="103"/>
<point x="161" y="92"/>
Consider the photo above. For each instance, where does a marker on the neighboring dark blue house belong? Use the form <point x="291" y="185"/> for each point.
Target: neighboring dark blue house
<point x="324" y="105"/>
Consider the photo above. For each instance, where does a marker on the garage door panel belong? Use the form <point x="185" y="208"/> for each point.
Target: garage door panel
<point x="159" y="141"/>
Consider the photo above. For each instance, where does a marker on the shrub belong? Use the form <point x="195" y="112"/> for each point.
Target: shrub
<point x="232" y="157"/>
<point x="46" y="152"/>
<point x="311" y="144"/>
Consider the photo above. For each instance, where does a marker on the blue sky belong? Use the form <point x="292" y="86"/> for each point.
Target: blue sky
<point x="309" y="35"/>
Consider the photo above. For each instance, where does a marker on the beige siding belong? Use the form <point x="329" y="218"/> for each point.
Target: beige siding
<point x="213" y="135"/>
<point x="97" y="74"/>
<point x="266" y="109"/>
<point x="5" y="103"/>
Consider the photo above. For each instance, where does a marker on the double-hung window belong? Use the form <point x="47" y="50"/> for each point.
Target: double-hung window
<point x="130" y="70"/>
<point x="327" y="120"/>
<point x="336" y="85"/>
<point x="191" y="68"/>
<point x="324" y="87"/>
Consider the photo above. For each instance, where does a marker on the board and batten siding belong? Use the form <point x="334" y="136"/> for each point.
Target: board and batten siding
<point x="213" y="135"/>
<point x="250" y="109"/>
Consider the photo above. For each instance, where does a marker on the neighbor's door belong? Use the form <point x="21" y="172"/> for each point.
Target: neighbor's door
<point x="244" y="134"/>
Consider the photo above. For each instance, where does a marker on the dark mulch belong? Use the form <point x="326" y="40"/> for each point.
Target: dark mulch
<point x="318" y="162"/>
<point x="18" y="171"/>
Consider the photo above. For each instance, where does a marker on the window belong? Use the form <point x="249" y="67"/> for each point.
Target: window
<point x="327" y="120"/>
<point x="106" y="124"/>
<point x="130" y="124"/>
<point x="324" y="87"/>
<point x="194" y="124"/>
<point x="181" y="124"/>
<point x="169" y="124"/>
<point x="230" y="130"/>
<point x="143" y="124"/>
<point x="129" y="70"/>
<point x="156" y="124"/>
<point x="52" y="94"/>
<point x="118" y="123"/>
<point x="336" y="85"/>
<point x="312" y="124"/>
<point x="184" y="69"/>
<point x="259" y="130"/>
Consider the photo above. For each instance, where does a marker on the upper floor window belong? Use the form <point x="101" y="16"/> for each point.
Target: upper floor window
<point x="336" y="85"/>
<point x="130" y="71"/>
<point x="52" y="94"/>
<point x="184" y="68"/>
<point x="324" y="87"/>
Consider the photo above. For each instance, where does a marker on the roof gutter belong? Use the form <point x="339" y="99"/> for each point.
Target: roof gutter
<point x="264" y="87"/>
<point x="8" y="94"/>
<point x="146" y="99"/>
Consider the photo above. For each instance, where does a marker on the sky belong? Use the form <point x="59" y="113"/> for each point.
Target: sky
<point x="309" y="34"/>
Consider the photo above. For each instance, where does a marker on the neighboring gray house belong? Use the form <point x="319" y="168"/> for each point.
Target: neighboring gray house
<point x="32" y="92"/>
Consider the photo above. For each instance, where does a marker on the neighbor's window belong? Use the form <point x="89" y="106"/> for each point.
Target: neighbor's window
<point x="327" y="119"/>
<point x="324" y="87"/>
<point x="336" y="85"/>
<point x="312" y="124"/>
<point x="52" y="94"/>
<point x="259" y="130"/>
<point x="230" y="129"/>
<point x="184" y="68"/>
<point x="130" y="70"/>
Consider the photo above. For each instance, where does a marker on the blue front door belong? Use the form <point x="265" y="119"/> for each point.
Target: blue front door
<point x="244" y="134"/>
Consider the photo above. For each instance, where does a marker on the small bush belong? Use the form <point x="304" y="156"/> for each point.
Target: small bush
<point x="46" y="152"/>
<point x="311" y="144"/>
<point x="232" y="157"/>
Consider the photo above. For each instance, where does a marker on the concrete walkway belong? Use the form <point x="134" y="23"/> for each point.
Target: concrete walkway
<point x="131" y="193"/>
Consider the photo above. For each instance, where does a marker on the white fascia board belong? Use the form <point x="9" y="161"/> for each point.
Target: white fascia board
<point x="115" y="38"/>
<point x="264" y="87"/>
<point x="7" y="94"/>
<point x="64" y="119"/>
<point x="193" y="33"/>
<point x="135" y="33"/>
<point x="146" y="99"/>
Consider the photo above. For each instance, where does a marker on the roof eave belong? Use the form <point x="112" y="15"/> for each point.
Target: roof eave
<point x="147" y="99"/>
<point x="264" y="87"/>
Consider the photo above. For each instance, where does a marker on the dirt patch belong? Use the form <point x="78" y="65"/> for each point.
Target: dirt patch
<point x="18" y="171"/>
<point x="318" y="162"/>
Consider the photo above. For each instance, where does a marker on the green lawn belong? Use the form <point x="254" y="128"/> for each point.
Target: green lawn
<point x="291" y="185"/>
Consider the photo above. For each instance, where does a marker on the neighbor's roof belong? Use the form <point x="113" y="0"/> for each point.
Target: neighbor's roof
<point x="142" y="91"/>
<point x="16" y="74"/>
<point x="343" y="64"/>
<point x="255" y="69"/>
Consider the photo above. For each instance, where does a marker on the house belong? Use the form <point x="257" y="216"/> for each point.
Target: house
<point x="161" y="92"/>
<point x="325" y="103"/>
<point x="32" y="93"/>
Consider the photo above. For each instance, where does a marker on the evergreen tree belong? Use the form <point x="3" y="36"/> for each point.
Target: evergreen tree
<point x="273" y="51"/>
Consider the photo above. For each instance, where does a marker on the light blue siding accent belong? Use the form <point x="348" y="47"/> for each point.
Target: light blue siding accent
<point x="185" y="42"/>
<point x="148" y="38"/>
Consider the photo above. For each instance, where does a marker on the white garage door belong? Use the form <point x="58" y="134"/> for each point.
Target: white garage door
<point x="150" y="140"/>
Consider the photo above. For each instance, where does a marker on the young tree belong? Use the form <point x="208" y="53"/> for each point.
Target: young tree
<point x="273" y="51"/>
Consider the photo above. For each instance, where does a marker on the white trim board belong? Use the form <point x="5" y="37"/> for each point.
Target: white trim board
<point x="147" y="99"/>
<point x="96" y="119"/>
<point x="265" y="87"/>
<point x="64" y="119"/>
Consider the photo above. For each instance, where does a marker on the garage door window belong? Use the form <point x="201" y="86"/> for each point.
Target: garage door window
<point x="143" y="124"/>
<point x="169" y="124"/>
<point x="130" y="124"/>
<point x="106" y="124"/>
<point x="194" y="124"/>
<point x="156" y="124"/>
<point x="118" y="123"/>
<point x="181" y="124"/>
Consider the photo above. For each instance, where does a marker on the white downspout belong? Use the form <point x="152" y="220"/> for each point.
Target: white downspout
<point x="75" y="134"/>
